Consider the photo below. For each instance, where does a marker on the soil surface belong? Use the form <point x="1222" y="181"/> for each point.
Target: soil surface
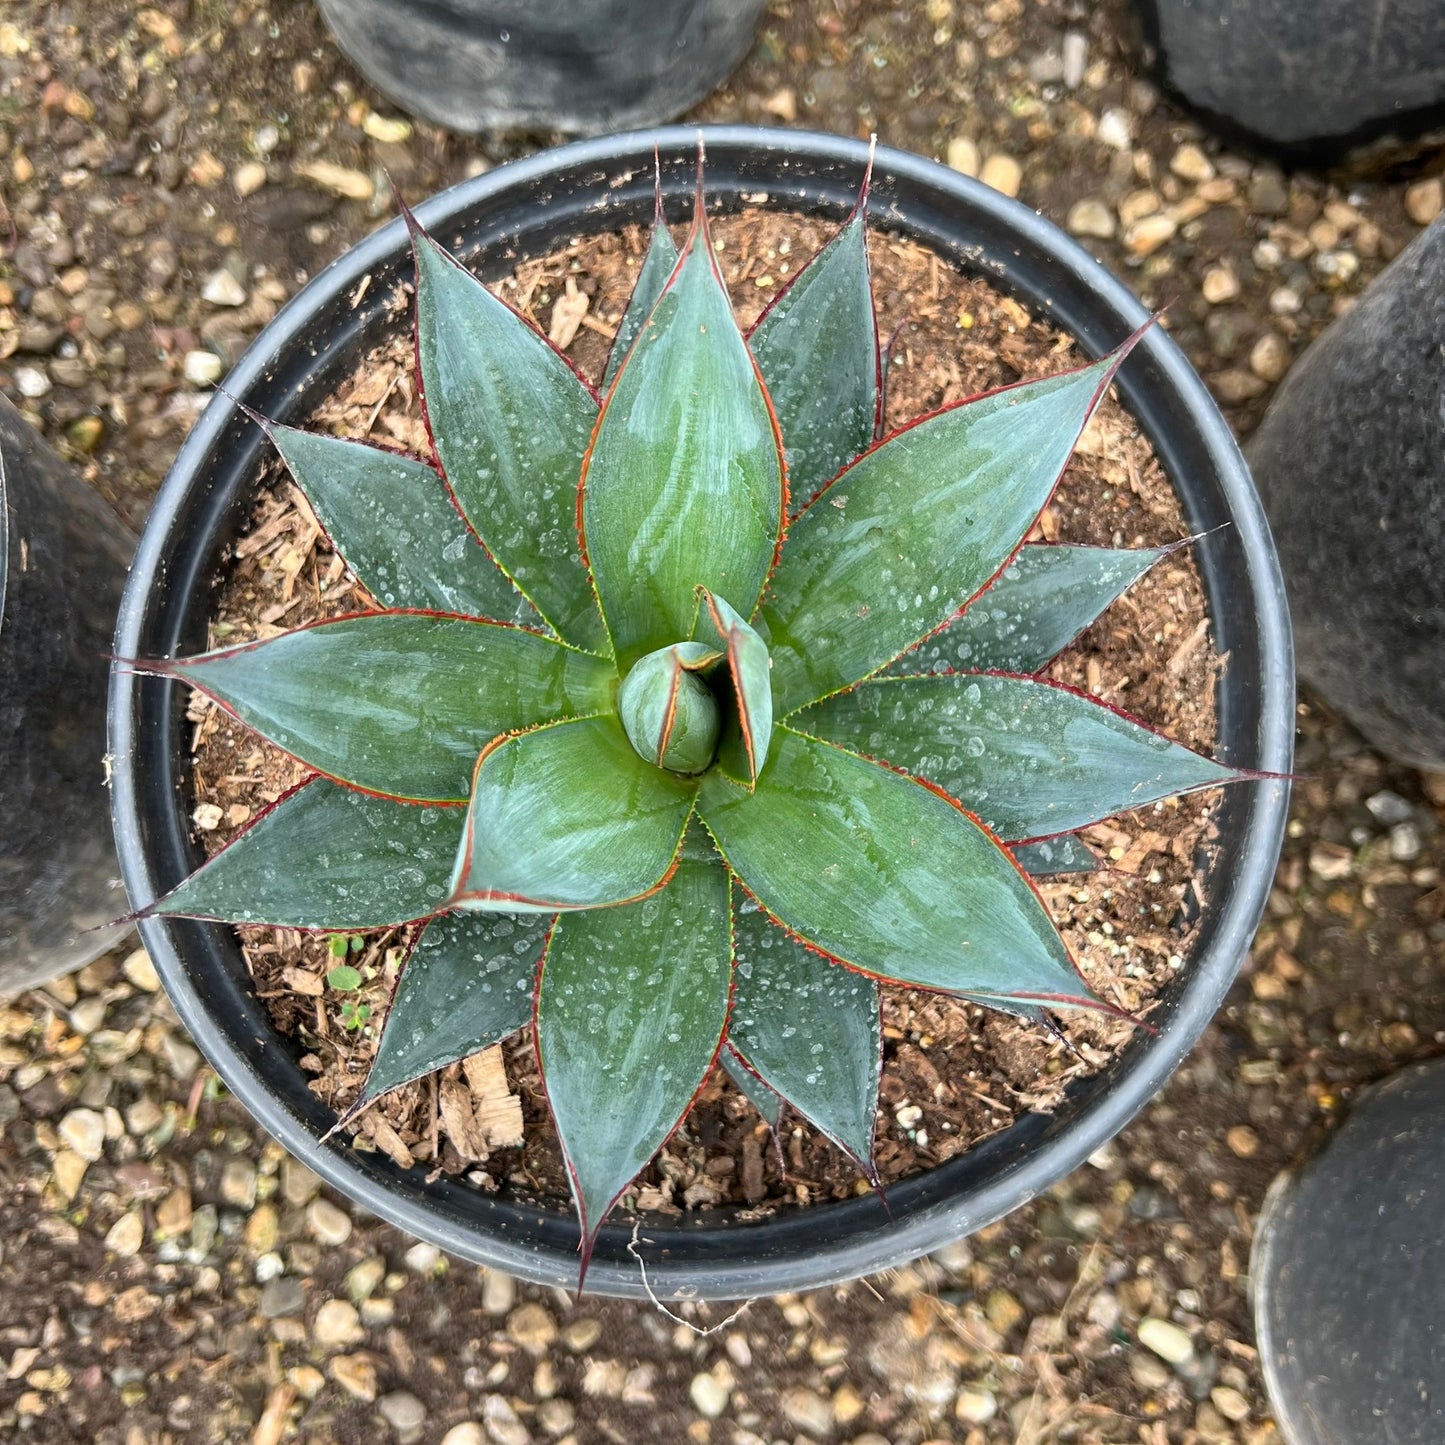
<point x="953" y="1073"/>
<point x="169" y="174"/>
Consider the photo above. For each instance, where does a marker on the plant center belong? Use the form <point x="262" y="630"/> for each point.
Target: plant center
<point x="668" y="710"/>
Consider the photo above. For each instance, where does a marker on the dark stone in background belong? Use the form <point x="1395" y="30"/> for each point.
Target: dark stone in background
<point x="1310" y="81"/>
<point x="1349" y="1277"/>
<point x="63" y="560"/>
<point x="580" y="66"/>
<point x="1350" y="461"/>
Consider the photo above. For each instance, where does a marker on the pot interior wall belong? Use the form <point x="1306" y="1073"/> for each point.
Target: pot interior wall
<point x="495" y="222"/>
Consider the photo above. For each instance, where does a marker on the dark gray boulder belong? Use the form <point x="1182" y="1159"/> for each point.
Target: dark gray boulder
<point x="1348" y="1280"/>
<point x="1350" y="462"/>
<point x="63" y="559"/>
<point x="1309" y="82"/>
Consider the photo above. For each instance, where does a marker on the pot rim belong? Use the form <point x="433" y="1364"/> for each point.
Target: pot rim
<point x="829" y="1242"/>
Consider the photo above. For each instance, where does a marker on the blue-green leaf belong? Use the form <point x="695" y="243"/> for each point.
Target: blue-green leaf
<point x="395" y="526"/>
<point x="1031" y="758"/>
<point x="398" y="703"/>
<point x="657" y="266"/>
<point x="630" y="1016"/>
<point x="468" y="984"/>
<point x="915" y="528"/>
<point x="1036" y="607"/>
<point x="328" y="857"/>
<point x="510" y="421"/>
<point x="882" y="873"/>
<point x="683" y="485"/>
<point x="568" y="816"/>
<point x="809" y="1028"/>
<point x="817" y="348"/>
<point x="744" y="746"/>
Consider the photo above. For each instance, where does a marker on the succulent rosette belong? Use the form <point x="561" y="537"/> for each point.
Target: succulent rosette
<point x="696" y="707"/>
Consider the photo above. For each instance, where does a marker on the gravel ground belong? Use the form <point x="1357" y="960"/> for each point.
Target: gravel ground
<point x="168" y="176"/>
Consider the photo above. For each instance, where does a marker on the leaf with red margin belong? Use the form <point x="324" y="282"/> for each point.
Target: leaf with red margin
<point x="817" y="348"/>
<point x="398" y="703"/>
<point x="568" y="816"/>
<point x="809" y="1028"/>
<point x="631" y="1010"/>
<point x="393" y="522"/>
<point x="887" y="875"/>
<point x="683" y="484"/>
<point x="657" y="266"/>
<point x="1035" y="608"/>
<point x="510" y="421"/>
<point x="743" y="748"/>
<point x="1032" y="758"/>
<point x="917" y="526"/>
<point x="467" y="985"/>
<point x="327" y="857"/>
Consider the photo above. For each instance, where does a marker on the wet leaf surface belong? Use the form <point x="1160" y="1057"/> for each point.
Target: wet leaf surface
<point x="1030" y="758"/>
<point x="399" y="703"/>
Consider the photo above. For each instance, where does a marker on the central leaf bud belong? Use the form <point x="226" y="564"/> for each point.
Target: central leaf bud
<point x="669" y="711"/>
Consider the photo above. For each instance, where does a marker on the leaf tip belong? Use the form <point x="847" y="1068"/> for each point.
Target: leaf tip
<point x="147" y="666"/>
<point x="413" y="226"/>
<point x="699" y="207"/>
<point x="128" y="920"/>
<point x="658" y="218"/>
<point x="1054" y="1029"/>
<point x="860" y="206"/>
<point x="875" y="1183"/>
<point x="1121" y="352"/>
<point x="1194" y="538"/>
<point x="1090" y="1002"/>
<point x="589" y="1227"/>
<point x="358" y="1106"/>
<point x="584" y="1250"/>
<point x="265" y="423"/>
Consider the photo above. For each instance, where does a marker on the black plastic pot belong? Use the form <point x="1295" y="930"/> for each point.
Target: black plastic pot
<point x="528" y="208"/>
<point x="1348" y="464"/>
<point x="1330" y="82"/>
<point x="580" y="66"/>
<point x="1345" y="1275"/>
<point x="63" y="556"/>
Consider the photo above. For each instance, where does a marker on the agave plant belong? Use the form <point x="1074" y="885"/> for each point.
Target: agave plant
<point x="674" y="770"/>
